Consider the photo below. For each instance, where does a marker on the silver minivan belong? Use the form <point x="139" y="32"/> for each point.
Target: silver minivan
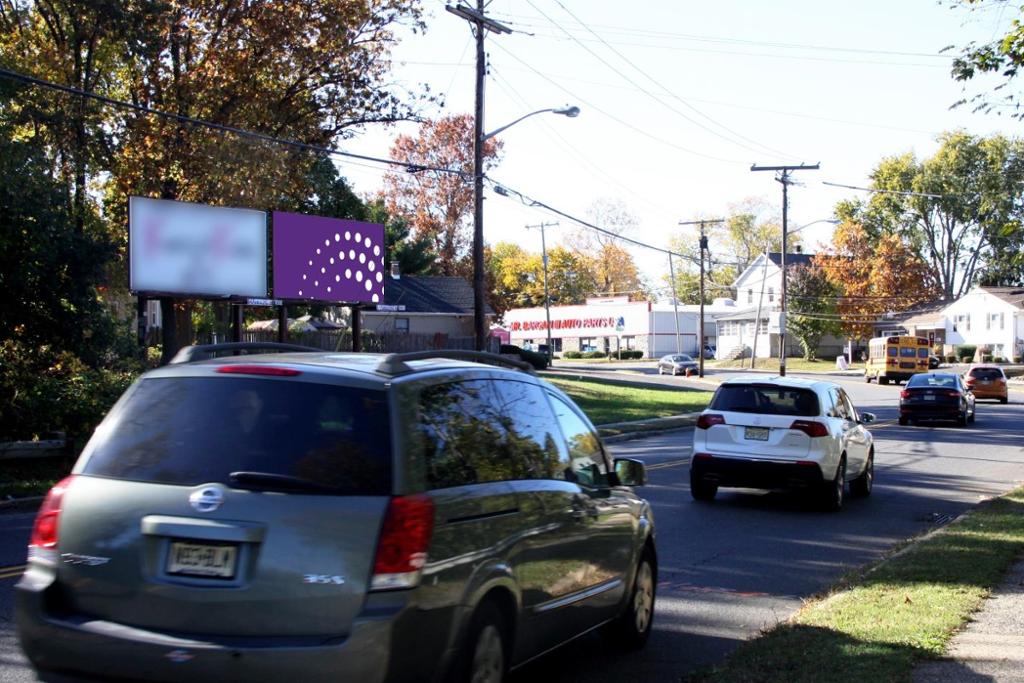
<point x="326" y="517"/>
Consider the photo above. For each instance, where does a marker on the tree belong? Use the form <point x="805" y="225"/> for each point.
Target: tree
<point x="515" y="277"/>
<point x="873" y="277"/>
<point x="811" y="307"/>
<point x="1002" y="56"/>
<point x="438" y="204"/>
<point x="965" y="217"/>
<point x="613" y="267"/>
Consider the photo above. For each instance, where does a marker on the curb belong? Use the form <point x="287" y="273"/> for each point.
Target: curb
<point x="627" y="431"/>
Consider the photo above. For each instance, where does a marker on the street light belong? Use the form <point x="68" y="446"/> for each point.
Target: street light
<point x="479" y="319"/>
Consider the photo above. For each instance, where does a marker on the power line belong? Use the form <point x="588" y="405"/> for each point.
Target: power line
<point x="759" y="149"/>
<point x="904" y="193"/>
<point x="613" y="117"/>
<point x="241" y="132"/>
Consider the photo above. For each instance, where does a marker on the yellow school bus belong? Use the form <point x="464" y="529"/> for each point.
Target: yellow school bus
<point x="896" y="358"/>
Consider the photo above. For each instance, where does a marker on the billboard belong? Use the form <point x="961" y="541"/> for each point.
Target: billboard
<point x="196" y="250"/>
<point x="328" y="259"/>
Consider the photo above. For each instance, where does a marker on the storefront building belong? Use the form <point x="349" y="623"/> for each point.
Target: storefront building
<point x="615" y="323"/>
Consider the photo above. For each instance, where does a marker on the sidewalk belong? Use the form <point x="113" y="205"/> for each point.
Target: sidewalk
<point x="991" y="647"/>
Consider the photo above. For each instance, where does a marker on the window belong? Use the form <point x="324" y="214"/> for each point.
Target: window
<point x="750" y="295"/>
<point x="771" y="294"/>
<point x="185" y="431"/>
<point x="478" y="431"/>
<point x="1002" y="321"/>
<point x="765" y="399"/>
<point x="586" y="464"/>
<point x="401" y="324"/>
<point x="588" y="344"/>
<point x="851" y="412"/>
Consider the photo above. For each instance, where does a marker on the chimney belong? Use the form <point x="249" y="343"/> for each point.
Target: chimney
<point x="395" y="273"/>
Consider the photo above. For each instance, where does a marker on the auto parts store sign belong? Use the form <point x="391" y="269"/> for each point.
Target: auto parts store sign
<point x="573" y="321"/>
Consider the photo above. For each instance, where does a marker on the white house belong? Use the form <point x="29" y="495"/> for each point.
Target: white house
<point x="991" y="318"/>
<point x="759" y="286"/>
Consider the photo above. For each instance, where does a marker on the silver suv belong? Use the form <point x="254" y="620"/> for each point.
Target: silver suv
<point x="323" y="517"/>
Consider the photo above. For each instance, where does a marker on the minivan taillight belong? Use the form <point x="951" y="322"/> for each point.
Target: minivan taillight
<point x="710" y="420"/>
<point x="810" y="427"/>
<point x="45" y="531"/>
<point x="404" y="539"/>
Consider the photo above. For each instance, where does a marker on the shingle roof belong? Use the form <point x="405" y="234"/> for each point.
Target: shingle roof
<point x="1011" y="295"/>
<point x="791" y="259"/>
<point x="431" y="294"/>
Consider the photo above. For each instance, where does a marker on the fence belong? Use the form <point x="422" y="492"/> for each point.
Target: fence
<point x="386" y="342"/>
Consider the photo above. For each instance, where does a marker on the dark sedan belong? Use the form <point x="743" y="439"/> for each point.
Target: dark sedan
<point x="676" y="364"/>
<point x="936" y="396"/>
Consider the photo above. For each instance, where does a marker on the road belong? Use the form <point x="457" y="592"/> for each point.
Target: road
<point x="746" y="561"/>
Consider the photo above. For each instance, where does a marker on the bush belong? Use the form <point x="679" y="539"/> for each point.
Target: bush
<point x="42" y="391"/>
<point x="986" y="358"/>
<point x="966" y="350"/>
<point x="572" y="354"/>
<point x="950" y="358"/>
<point x="631" y="354"/>
<point x="999" y="359"/>
<point x="593" y="354"/>
<point x="538" y="360"/>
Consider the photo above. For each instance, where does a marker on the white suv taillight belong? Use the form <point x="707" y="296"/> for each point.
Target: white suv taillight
<point x="45" y="532"/>
<point x="404" y="539"/>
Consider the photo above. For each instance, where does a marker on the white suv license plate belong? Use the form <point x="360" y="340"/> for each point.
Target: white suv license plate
<point x="755" y="433"/>
<point x="195" y="559"/>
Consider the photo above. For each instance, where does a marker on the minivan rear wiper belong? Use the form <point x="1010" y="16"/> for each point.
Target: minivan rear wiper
<point x="270" y="480"/>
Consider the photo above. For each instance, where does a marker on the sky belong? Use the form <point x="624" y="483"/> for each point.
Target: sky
<point x="679" y="98"/>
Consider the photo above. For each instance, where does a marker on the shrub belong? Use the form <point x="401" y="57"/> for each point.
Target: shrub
<point x="966" y="350"/>
<point x="950" y="358"/>
<point x="571" y="354"/>
<point x="966" y="359"/>
<point x="538" y="360"/>
<point x="999" y="359"/>
<point x="986" y="358"/>
<point x="593" y="354"/>
<point x="632" y="354"/>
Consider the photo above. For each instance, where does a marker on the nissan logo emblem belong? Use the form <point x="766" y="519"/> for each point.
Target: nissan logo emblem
<point x="206" y="499"/>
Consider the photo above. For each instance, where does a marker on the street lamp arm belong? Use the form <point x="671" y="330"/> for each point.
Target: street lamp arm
<point x="571" y="112"/>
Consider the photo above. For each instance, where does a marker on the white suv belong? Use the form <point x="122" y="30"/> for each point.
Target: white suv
<point x="782" y="433"/>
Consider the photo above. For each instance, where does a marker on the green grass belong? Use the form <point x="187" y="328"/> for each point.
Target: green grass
<point x="793" y="364"/>
<point x="879" y="621"/>
<point x="31" y="477"/>
<point x="606" y="403"/>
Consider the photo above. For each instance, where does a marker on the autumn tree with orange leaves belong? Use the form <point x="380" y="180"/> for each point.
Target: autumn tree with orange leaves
<point x="437" y="202"/>
<point x="874" y="278"/>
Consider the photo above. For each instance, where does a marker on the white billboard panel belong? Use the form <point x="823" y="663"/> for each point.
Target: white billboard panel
<point x="196" y="250"/>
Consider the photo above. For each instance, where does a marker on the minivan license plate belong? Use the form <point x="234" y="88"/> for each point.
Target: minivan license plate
<point x="756" y="433"/>
<point x="194" y="559"/>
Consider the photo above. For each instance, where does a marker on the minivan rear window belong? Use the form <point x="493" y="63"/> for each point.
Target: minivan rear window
<point x="196" y="430"/>
<point x="766" y="399"/>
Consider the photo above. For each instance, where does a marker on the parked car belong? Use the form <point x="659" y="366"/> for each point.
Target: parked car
<point x="987" y="381"/>
<point x="783" y="433"/>
<point x="321" y="517"/>
<point x="936" y="396"/>
<point x="676" y="364"/>
<point x="709" y="351"/>
<point x="934" y="362"/>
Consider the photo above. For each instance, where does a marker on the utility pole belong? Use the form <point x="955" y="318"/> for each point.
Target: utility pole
<point x="547" y="301"/>
<point x="783" y="173"/>
<point x="480" y="23"/>
<point x="703" y="248"/>
<point x="675" y="300"/>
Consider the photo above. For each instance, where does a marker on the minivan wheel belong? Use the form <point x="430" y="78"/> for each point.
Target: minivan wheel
<point x="484" y="656"/>
<point x="701" y="489"/>
<point x="632" y="628"/>
<point x="833" y="491"/>
<point x="862" y="485"/>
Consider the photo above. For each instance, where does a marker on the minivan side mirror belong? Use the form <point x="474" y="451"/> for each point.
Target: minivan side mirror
<point x="867" y="418"/>
<point x="630" y="472"/>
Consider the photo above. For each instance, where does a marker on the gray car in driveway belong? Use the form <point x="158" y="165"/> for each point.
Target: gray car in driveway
<point x="676" y="364"/>
<point x="335" y="517"/>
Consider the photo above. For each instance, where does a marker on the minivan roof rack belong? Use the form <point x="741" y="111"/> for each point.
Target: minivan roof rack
<point x="198" y="352"/>
<point x="395" y="363"/>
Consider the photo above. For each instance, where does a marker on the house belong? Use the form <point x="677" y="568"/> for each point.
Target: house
<point x="425" y="304"/>
<point x="990" y="318"/>
<point x="759" y="288"/>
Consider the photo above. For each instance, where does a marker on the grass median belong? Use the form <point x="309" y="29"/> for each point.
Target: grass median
<point x="880" y="620"/>
<point x="792" y="364"/>
<point x="606" y="402"/>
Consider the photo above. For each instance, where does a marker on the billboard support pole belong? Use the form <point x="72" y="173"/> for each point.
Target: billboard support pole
<point x="140" y="323"/>
<point x="236" y="322"/>
<point x="357" y="329"/>
<point x="282" y="324"/>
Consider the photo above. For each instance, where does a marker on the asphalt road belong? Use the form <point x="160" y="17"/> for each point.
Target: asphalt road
<point x="744" y="562"/>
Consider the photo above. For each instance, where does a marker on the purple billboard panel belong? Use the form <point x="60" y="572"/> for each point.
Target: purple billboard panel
<point x="327" y="259"/>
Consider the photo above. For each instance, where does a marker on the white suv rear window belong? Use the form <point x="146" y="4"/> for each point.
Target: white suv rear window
<point x="766" y="399"/>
